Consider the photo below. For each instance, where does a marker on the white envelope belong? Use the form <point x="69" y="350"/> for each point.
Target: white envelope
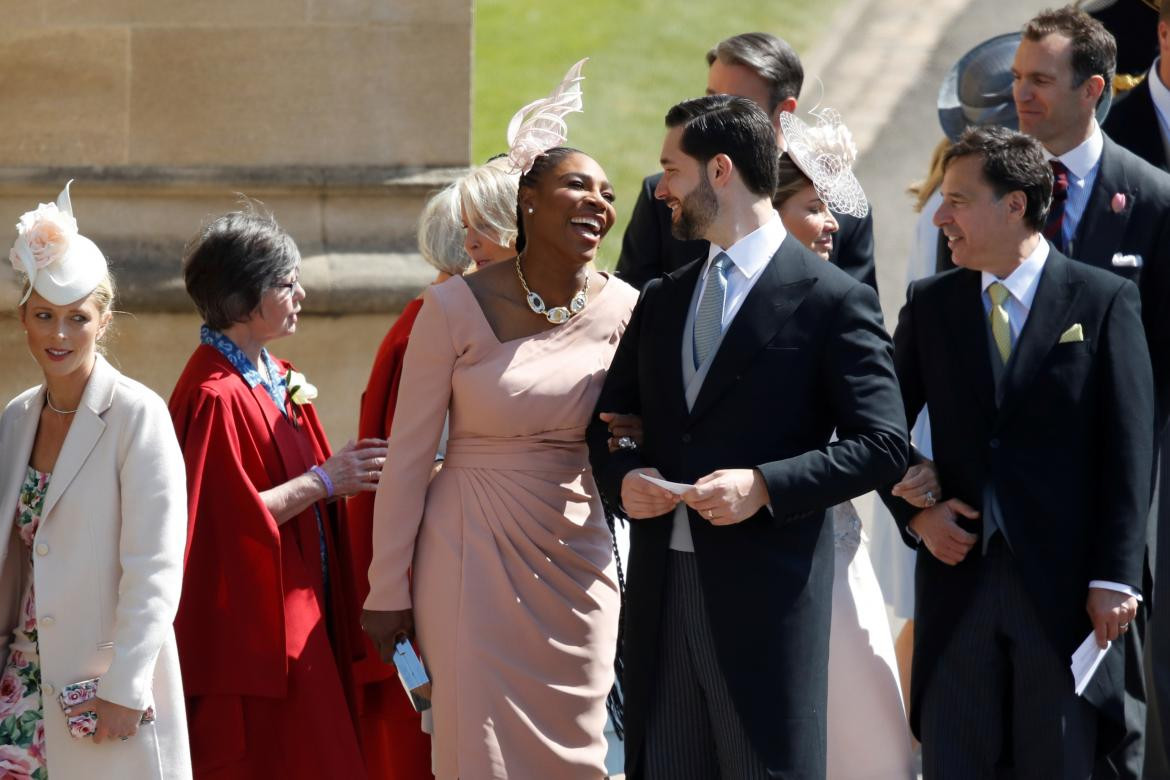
<point x="1126" y="261"/>
<point x="677" y="488"/>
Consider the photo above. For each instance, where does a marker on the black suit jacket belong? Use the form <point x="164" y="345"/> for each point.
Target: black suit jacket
<point x="806" y="355"/>
<point x="1133" y="123"/>
<point x="649" y="250"/>
<point x="1141" y="228"/>
<point x="1068" y="451"/>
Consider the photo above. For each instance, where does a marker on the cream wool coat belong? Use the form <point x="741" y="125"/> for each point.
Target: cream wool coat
<point x="108" y="568"/>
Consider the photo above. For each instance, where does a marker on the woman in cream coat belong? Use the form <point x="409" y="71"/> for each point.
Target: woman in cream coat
<point x="92" y="534"/>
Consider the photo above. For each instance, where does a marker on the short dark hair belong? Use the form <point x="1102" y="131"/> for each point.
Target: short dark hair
<point x="1011" y="161"/>
<point x="771" y="58"/>
<point x="230" y="264"/>
<point x="1164" y="12"/>
<point x="735" y="126"/>
<point x="544" y="162"/>
<point x="1094" y="49"/>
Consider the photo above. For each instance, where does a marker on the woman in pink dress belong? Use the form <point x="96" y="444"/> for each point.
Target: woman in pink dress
<point x="515" y="595"/>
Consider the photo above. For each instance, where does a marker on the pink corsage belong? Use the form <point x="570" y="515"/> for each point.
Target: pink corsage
<point x="1118" y="203"/>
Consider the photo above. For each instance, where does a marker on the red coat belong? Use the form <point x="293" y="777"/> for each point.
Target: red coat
<point x="261" y="670"/>
<point x="394" y="745"/>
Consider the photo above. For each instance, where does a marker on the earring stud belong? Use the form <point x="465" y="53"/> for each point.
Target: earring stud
<point x="530" y="209"/>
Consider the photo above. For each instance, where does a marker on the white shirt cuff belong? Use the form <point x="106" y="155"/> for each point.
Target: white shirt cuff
<point x="1117" y="586"/>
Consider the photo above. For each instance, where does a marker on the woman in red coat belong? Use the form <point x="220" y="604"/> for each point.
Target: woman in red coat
<point x="458" y="226"/>
<point x="267" y="629"/>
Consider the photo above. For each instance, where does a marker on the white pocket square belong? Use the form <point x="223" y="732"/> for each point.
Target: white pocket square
<point x="1073" y="334"/>
<point x="1126" y="261"/>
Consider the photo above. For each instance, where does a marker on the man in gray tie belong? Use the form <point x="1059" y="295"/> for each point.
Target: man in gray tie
<point x="742" y="364"/>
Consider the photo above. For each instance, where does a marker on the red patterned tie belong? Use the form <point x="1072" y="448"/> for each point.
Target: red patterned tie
<point x="1052" y="228"/>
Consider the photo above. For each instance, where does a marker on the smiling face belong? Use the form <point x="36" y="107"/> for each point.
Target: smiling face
<point x="63" y="339"/>
<point x="686" y="189"/>
<point x="279" y="309"/>
<point x="981" y="229"/>
<point x="809" y="220"/>
<point x="572" y="206"/>
<point x="1052" y="109"/>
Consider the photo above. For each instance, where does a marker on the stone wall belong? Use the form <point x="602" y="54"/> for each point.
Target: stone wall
<point x="339" y="116"/>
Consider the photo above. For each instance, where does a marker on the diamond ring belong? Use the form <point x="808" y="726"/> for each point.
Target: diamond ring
<point x="626" y="443"/>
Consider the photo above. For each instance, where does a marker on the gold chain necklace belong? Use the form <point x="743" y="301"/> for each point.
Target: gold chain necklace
<point x="558" y="315"/>
<point x="62" y="412"/>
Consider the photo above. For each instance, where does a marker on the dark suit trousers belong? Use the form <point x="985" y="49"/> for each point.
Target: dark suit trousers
<point x="1000" y="701"/>
<point x="694" y="731"/>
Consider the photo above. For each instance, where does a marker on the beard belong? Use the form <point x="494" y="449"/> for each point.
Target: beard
<point x="696" y="211"/>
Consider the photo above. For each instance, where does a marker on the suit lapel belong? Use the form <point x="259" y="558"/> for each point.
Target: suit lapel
<point x="18" y="462"/>
<point x="1055" y="295"/>
<point x="967" y="327"/>
<point x="84" y="432"/>
<point x="775" y="296"/>
<point x="1101" y="229"/>
<point x="678" y="291"/>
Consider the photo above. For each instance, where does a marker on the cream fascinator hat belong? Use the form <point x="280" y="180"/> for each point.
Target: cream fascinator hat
<point x="825" y="153"/>
<point x="61" y="264"/>
<point x="540" y="125"/>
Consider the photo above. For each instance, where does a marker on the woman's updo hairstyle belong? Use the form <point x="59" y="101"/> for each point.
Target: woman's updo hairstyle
<point x="790" y="181"/>
<point x="545" y="162"/>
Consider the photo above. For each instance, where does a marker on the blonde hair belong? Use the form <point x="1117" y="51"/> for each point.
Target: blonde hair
<point x="440" y="233"/>
<point x="922" y="190"/>
<point x="488" y="196"/>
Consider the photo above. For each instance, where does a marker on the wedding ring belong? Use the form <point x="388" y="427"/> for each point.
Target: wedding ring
<point x="930" y="499"/>
<point x="710" y="514"/>
<point x="1123" y="627"/>
<point x="626" y="443"/>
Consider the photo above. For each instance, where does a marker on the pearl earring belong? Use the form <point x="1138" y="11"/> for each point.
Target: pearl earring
<point x="529" y="209"/>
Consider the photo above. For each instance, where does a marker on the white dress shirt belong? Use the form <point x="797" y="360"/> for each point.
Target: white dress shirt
<point x="1082" y="162"/>
<point x="1161" y="95"/>
<point x="1021" y="284"/>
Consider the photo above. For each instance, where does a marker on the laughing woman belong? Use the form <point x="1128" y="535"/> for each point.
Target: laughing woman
<point x="94" y="514"/>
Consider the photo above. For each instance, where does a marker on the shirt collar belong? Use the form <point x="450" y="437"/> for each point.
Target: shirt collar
<point x="752" y="252"/>
<point x="241" y="363"/>
<point x="1081" y="160"/>
<point x="1159" y="92"/>
<point x="1022" y="282"/>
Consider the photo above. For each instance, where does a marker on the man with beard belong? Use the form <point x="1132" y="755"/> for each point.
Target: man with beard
<point x="765" y="70"/>
<point x="742" y="365"/>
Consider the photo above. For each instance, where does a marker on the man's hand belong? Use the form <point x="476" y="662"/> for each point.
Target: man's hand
<point x="919" y="486"/>
<point x="623" y="426"/>
<point x="641" y="500"/>
<point x="386" y="628"/>
<point x="1111" y="612"/>
<point x="940" y="533"/>
<point x="728" y="496"/>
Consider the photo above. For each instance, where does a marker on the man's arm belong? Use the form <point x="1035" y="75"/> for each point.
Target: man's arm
<point x="853" y="252"/>
<point x="860" y="384"/>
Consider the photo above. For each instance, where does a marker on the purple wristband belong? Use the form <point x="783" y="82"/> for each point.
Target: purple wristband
<point x="324" y="477"/>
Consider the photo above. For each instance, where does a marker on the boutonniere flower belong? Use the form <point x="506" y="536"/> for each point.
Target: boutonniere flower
<point x="299" y="389"/>
<point x="1118" y="203"/>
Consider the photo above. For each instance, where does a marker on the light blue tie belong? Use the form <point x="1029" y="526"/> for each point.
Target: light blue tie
<point x="709" y="319"/>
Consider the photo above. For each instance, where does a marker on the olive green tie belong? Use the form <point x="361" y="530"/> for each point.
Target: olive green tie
<point x="1001" y="326"/>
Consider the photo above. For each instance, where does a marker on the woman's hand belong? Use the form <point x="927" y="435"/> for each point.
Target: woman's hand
<point x="386" y="628"/>
<point x="356" y="467"/>
<point x="920" y="486"/>
<point x="114" y="720"/>
<point x="623" y="426"/>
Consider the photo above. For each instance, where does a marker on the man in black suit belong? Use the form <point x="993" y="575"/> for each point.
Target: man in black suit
<point x="1111" y="210"/>
<point x="1040" y="393"/>
<point x="764" y="69"/>
<point x="1140" y="121"/>
<point x="742" y="364"/>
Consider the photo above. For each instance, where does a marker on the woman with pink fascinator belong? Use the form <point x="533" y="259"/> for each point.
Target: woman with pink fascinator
<point x="502" y="568"/>
<point x="94" y="515"/>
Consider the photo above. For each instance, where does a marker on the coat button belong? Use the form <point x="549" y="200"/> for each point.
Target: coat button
<point x="47" y="620"/>
<point x="686" y="437"/>
<point x="994" y="444"/>
<point x="47" y="689"/>
<point x="42" y="549"/>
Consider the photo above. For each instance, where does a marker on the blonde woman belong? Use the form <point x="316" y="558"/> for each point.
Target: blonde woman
<point x="487" y="203"/>
<point x="93" y="503"/>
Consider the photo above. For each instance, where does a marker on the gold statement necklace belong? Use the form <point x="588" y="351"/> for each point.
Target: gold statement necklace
<point x="558" y="315"/>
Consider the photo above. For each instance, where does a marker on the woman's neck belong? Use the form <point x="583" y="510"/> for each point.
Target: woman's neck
<point x="556" y="277"/>
<point x="64" y="392"/>
<point x="241" y="336"/>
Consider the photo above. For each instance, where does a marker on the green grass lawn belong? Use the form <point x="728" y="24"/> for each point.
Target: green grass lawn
<point x="645" y="55"/>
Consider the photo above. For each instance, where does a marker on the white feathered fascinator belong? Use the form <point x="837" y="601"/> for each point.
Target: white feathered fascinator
<point x="60" y="263"/>
<point x="826" y="153"/>
<point x="540" y="125"/>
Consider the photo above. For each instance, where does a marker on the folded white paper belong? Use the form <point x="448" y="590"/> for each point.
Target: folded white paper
<point x="677" y="488"/>
<point x="1086" y="660"/>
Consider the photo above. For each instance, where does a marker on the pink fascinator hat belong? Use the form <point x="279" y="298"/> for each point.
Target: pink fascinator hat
<point x="540" y="125"/>
<point x="61" y="264"/>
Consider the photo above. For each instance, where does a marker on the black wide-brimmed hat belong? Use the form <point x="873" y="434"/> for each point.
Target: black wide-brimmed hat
<point x="1134" y="23"/>
<point x="977" y="91"/>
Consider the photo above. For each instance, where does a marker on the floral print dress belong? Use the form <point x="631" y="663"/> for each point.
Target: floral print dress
<point x="22" y="727"/>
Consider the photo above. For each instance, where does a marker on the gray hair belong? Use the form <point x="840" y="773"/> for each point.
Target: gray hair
<point x="770" y="57"/>
<point x="488" y="196"/>
<point x="440" y="233"/>
<point x="233" y="261"/>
